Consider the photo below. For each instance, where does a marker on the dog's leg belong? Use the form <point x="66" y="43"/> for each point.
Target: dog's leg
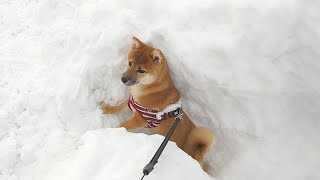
<point x="134" y="122"/>
<point x="108" y="109"/>
<point x="198" y="144"/>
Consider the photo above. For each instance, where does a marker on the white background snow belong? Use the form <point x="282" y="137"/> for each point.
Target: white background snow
<point x="248" y="69"/>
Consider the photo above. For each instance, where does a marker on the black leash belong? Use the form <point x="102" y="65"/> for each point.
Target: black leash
<point x="149" y="167"/>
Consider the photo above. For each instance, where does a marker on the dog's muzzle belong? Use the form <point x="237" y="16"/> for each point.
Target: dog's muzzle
<point x="128" y="81"/>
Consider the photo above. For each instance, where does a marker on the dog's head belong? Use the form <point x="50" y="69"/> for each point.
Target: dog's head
<point x="144" y="64"/>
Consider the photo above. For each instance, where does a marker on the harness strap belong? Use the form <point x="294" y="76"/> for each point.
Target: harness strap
<point x="154" y="117"/>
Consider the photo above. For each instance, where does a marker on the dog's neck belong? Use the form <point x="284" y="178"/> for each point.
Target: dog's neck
<point x="158" y="94"/>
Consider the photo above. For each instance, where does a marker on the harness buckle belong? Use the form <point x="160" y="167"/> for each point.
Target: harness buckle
<point x="172" y="114"/>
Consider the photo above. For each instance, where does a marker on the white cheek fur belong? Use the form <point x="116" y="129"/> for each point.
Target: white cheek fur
<point x="147" y="79"/>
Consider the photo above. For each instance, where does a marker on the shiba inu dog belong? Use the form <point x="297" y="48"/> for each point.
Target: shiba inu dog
<point x="152" y="92"/>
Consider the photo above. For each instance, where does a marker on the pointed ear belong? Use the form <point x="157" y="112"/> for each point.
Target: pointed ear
<point x="136" y="43"/>
<point x="157" y="56"/>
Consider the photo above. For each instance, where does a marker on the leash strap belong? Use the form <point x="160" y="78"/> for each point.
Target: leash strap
<point x="149" y="167"/>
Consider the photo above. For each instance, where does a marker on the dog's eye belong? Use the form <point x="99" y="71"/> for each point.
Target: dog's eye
<point x="130" y="63"/>
<point x="140" y="71"/>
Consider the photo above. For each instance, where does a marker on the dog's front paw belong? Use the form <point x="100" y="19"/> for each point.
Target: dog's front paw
<point x="107" y="109"/>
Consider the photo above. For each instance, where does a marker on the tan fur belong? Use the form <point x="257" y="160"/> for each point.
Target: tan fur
<point x="158" y="93"/>
<point x="108" y="109"/>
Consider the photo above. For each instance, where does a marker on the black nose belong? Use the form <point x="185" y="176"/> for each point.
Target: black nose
<point x="124" y="79"/>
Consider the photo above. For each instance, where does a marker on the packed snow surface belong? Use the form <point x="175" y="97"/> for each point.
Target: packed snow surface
<point x="247" y="69"/>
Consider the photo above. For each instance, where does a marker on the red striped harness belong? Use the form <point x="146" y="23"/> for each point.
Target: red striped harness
<point x="150" y="115"/>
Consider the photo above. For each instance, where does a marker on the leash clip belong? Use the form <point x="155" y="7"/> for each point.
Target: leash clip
<point x="179" y="116"/>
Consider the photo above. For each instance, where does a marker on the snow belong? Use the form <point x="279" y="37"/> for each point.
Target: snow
<point x="99" y="155"/>
<point x="247" y="69"/>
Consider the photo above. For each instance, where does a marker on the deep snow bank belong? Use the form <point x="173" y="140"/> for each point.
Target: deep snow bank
<point x="248" y="69"/>
<point x="111" y="154"/>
